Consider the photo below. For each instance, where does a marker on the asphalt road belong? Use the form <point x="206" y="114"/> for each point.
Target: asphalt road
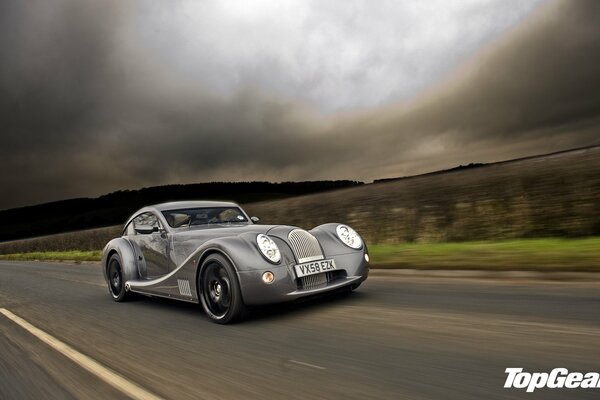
<point x="394" y="338"/>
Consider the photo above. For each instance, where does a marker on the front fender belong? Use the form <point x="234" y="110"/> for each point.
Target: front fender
<point x="242" y="251"/>
<point x="246" y="259"/>
<point x="123" y="248"/>
<point x="331" y="244"/>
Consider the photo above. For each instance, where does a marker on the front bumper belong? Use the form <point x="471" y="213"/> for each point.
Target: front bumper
<point x="285" y="286"/>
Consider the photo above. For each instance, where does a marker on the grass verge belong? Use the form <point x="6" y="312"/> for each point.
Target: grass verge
<point x="523" y="254"/>
<point x="519" y="255"/>
<point x="72" y="255"/>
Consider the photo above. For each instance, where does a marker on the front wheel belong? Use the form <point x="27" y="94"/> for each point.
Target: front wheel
<point x="116" y="282"/>
<point x="219" y="290"/>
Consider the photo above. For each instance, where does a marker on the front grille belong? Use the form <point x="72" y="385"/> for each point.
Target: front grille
<point x="318" y="280"/>
<point x="305" y="246"/>
<point x="313" y="281"/>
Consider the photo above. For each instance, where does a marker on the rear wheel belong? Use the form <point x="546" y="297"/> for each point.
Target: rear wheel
<point x="219" y="290"/>
<point x="116" y="282"/>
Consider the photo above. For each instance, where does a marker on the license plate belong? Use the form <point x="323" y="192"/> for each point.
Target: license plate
<point x="314" y="267"/>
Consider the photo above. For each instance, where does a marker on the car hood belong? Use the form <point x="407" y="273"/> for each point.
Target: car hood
<point x="207" y="232"/>
<point x="187" y="240"/>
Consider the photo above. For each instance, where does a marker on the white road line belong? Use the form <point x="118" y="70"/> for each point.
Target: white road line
<point x="107" y="375"/>
<point x="306" y="364"/>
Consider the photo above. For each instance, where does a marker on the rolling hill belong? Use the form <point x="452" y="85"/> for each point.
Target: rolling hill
<point x="552" y="195"/>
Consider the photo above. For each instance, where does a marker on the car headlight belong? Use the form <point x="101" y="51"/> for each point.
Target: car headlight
<point x="348" y="236"/>
<point x="268" y="248"/>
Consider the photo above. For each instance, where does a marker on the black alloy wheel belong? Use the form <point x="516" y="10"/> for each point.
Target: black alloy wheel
<point x="220" y="294"/>
<point x="116" y="282"/>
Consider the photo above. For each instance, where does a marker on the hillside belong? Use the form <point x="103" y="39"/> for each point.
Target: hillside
<point x="555" y="195"/>
<point x="543" y="196"/>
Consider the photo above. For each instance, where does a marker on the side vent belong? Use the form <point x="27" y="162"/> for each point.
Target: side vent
<point x="184" y="287"/>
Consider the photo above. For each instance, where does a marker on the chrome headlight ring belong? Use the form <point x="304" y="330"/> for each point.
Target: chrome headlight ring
<point x="268" y="248"/>
<point x="349" y="237"/>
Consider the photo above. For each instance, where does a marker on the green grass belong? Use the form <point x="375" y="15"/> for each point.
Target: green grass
<point x="72" y="255"/>
<point x="523" y="254"/>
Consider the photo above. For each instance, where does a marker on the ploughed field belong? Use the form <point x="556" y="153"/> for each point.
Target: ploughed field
<point x="547" y="196"/>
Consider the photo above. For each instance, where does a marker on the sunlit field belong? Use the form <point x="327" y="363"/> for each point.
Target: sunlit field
<point x="525" y="254"/>
<point x="72" y="255"/>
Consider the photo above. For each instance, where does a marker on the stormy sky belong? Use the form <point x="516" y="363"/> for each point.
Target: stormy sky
<point x="97" y="96"/>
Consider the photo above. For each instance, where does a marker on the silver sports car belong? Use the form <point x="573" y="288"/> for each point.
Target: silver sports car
<point x="214" y="254"/>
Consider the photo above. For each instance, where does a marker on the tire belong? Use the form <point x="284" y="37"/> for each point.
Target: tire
<point x="219" y="290"/>
<point x="116" y="281"/>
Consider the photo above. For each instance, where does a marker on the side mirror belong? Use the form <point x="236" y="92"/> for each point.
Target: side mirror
<point x="146" y="229"/>
<point x="255" y="220"/>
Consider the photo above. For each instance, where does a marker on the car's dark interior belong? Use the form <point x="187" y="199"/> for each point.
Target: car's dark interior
<point x="204" y="216"/>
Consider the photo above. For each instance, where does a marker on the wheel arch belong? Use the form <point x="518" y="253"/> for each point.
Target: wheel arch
<point x="205" y="254"/>
<point x="240" y="251"/>
<point x="108" y="257"/>
<point x="123" y="248"/>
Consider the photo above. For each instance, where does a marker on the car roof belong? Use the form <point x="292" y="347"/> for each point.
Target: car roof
<point x="181" y="205"/>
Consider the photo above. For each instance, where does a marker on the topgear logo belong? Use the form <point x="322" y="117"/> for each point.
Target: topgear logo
<point x="558" y="378"/>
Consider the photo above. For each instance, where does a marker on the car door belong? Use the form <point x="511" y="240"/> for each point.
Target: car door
<point x="151" y="248"/>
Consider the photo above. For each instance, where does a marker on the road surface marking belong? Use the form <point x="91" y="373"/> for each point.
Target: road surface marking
<point x="306" y="364"/>
<point x="107" y="375"/>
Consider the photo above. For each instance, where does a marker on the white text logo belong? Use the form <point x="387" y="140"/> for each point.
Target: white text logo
<point x="558" y="378"/>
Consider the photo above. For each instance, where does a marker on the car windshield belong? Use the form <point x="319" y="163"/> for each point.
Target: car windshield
<point x="204" y="216"/>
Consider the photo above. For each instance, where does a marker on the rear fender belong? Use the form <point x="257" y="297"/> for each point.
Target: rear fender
<point x="123" y="248"/>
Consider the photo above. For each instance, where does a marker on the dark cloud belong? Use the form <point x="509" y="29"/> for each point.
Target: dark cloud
<point x="86" y="109"/>
<point x="542" y="75"/>
<point x="535" y="90"/>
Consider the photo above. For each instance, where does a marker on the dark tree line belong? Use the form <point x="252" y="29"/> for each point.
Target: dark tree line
<point x="114" y="208"/>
